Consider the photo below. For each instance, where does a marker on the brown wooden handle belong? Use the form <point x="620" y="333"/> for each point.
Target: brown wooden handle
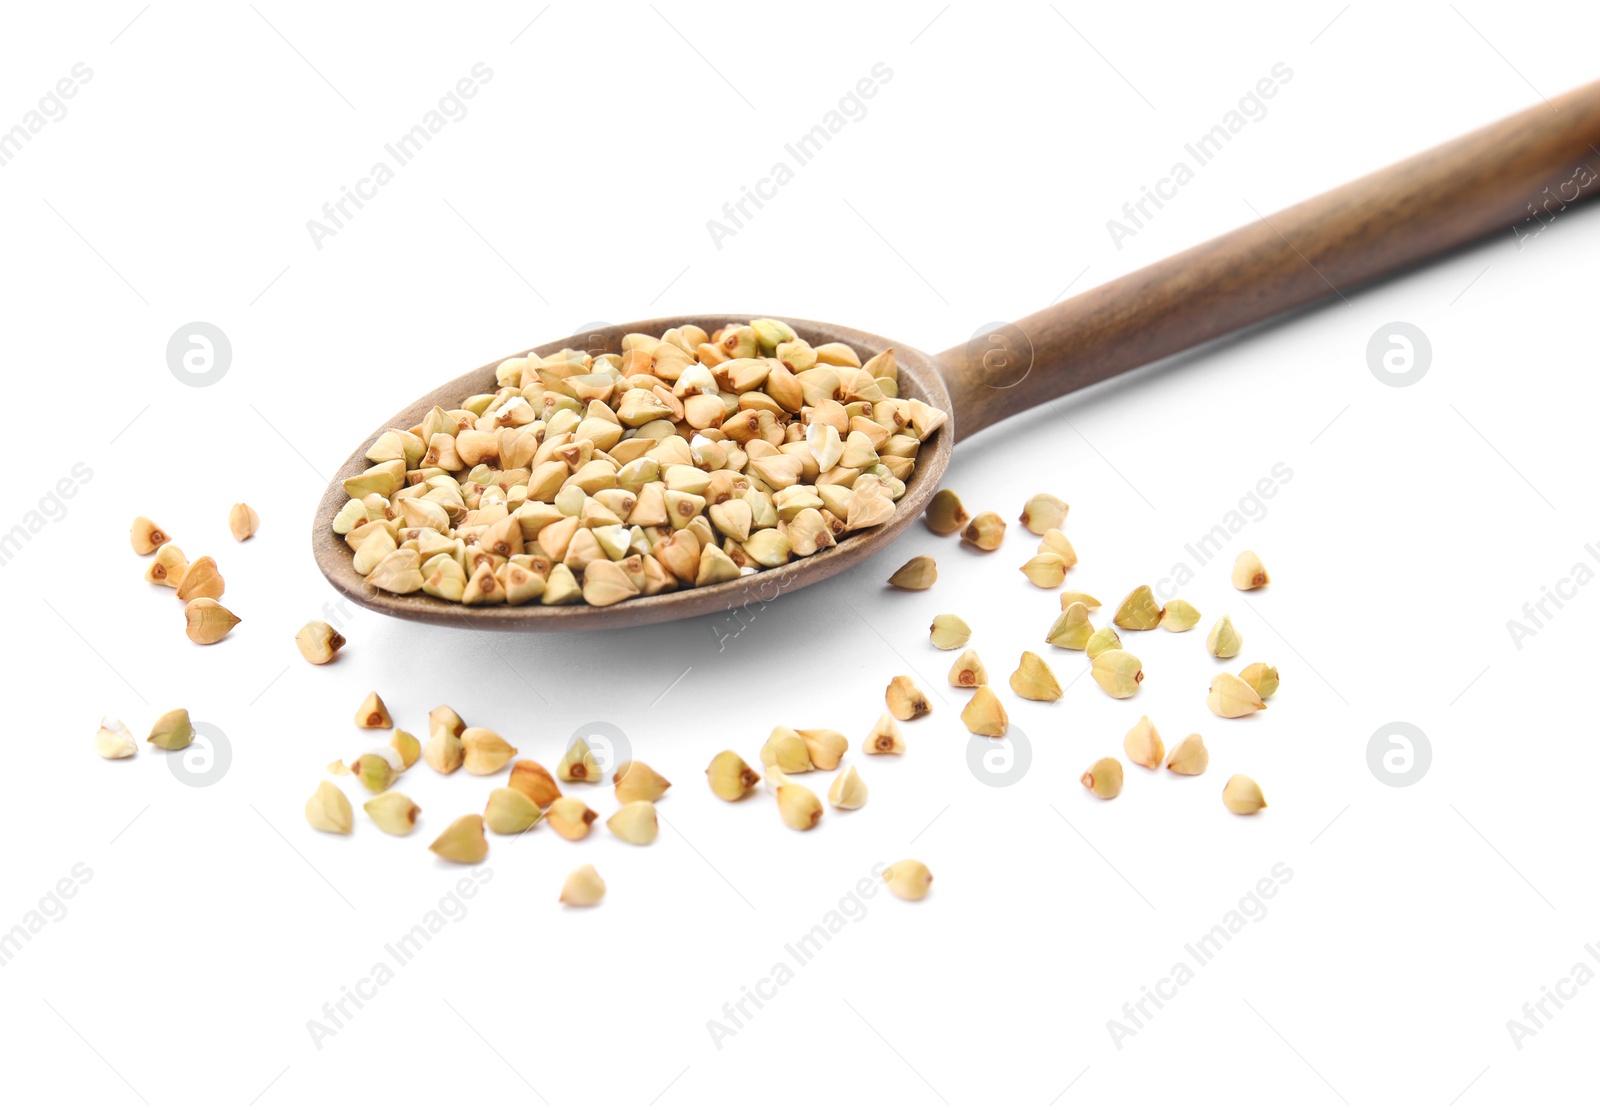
<point x="1511" y="177"/>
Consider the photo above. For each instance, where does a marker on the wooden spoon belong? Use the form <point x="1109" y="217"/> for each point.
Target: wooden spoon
<point x="1500" y="179"/>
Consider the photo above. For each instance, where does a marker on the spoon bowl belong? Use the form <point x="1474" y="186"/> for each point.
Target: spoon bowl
<point x="919" y="379"/>
<point x="1494" y="180"/>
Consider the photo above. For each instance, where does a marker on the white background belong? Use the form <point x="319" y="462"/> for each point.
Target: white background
<point x="1418" y="521"/>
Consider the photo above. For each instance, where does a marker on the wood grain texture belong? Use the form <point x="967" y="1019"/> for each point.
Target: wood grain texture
<point x="918" y="379"/>
<point x="1530" y="165"/>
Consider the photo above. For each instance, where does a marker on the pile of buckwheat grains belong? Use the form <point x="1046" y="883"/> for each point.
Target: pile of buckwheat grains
<point x="686" y="460"/>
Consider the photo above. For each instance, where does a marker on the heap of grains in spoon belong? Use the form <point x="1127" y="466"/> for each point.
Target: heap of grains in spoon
<point x="685" y="460"/>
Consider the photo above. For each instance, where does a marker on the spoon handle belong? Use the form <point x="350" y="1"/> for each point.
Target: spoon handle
<point x="1512" y="177"/>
